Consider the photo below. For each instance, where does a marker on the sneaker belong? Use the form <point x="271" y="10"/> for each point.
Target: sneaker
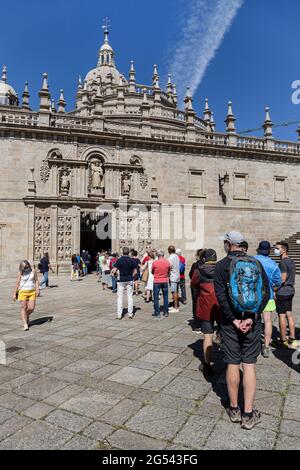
<point x="156" y="316"/>
<point x="197" y="330"/>
<point x="291" y="340"/>
<point x="266" y="351"/>
<point x="173" y="310"/>
<point x="118" y="317"/>
<point x="26" y="327"/>
<point x="248" y="422"/>
<point x="131" y="316"/>
<point x="235" y="414"/>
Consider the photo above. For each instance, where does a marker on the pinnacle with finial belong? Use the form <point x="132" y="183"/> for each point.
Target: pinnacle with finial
<point x="4" y="74"/>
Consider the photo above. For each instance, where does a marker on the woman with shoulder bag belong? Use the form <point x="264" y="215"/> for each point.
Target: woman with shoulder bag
<point x="26" y="290"/>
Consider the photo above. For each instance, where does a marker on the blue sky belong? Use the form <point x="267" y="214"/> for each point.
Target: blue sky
<point x="255" y="65"/>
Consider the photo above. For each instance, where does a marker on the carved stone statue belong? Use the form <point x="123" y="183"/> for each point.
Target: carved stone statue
<point x="97" y="175"/>
<point x="126" y="184"/>
<point x="65" y="182"/>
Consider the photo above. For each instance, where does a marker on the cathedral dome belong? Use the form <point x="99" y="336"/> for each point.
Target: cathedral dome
<point x="105" y="66"/>
<point x="8" y="96"/>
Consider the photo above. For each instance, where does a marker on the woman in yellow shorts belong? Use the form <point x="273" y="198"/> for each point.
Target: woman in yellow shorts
<point x="26" y="290"/>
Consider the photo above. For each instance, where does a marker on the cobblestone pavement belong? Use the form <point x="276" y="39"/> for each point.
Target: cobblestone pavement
<point x="86" y="380"/>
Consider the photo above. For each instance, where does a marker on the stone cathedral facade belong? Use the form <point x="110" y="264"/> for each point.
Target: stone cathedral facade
<point x="127" y="145"/>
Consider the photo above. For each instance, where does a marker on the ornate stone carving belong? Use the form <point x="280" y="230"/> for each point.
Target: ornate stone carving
<point x="42" y="236"/>
<point x="65" y="181"/>
<point x="126" y="184"/>
<point x="96" y="177"/>
<point x="143" y="180"/>
<point x="64" y="238"/>
<point x="44" y="171"/>
<point x="135" y="160"/>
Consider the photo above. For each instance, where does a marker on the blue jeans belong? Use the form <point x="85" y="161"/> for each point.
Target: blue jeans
<point x="114" y="283"/>
<point x="44" y="282"/>
<point x="164" y="286"/>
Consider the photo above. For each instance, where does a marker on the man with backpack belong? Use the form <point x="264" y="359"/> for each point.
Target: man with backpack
<point x="242" y="290"/>
<point x="182" y="266"/>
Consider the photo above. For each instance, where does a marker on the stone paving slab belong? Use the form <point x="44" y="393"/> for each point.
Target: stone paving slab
<point x="88" y="381"/>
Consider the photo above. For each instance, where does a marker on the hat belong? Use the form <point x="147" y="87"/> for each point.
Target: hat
<point x="210" y="255"/>
<point x="264" y="248"/>
<point x="178" y="251"/>
<point x="235" y="238"/>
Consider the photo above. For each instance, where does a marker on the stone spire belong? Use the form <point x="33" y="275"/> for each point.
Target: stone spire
<point x="298" y="132"/>
<point x="207" y="112"/>
<point x="106" y="53"/>
<point x="175" y="98"/>
<point x="212" y="123"/>
<point x="85" y="98"/>
<point x="169" y="85"/>
<point x="25" y="96"/>
<point x="267" y="125"/>
<point x="4" y="74"/>
<point x="188" y="100"/>
<point x="230" y="120"/>
<point x="61" y="102"/>
<point x="120" y="96"/>
<point x="44" y="94"/>
<point x="132" y="81"/>
<point x="155" y="77"/>
<point x="53" y="108"/>
<point x="79" y="86"/>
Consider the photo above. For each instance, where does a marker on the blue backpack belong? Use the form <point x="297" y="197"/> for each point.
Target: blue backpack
<point x="182" y="267"/>
<point x="246" y="286"/>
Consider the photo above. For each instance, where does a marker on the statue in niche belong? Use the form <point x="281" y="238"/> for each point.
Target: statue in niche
<point x="126" y="184"/>
<point x="96" y="175"/>
<point x="65" y="182"/>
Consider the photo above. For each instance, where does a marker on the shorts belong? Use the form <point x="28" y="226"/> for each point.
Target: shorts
<point x="174" y="287"/>
<point x="208" y="327"/>
<point x="238" y="348"/>
<point x="284" y="303"/>
<point x="271" y="306"/>
<point x="26" y="295"/>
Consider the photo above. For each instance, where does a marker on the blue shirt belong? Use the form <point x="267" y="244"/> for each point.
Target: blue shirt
<point x="272" y="271"/>
<point x="126" y="266"/>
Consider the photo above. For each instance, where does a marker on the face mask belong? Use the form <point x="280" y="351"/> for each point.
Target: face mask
<point x="277" y="252"/>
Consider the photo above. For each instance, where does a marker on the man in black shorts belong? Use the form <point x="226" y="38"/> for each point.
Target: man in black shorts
<point x="240" y="336"/>
<point x="285" y="293"/>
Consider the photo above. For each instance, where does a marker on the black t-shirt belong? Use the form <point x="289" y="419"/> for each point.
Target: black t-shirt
<point x="126" y="266"/>
<point x="287" y="266"/>
<point x="44" y="265"/>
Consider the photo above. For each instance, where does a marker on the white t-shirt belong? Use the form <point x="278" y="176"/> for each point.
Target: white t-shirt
<point x="175" y="268"/>
<point x="27" y="281"/>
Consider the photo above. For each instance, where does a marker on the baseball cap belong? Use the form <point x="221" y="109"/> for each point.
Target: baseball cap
<point x="235" y="238"/>
<point x="178" y="251"/>
<point x="264" y="248"/>
<point x="210" y="255"/>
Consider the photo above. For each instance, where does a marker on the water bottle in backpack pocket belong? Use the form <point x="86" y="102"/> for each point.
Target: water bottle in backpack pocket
<point x="246" y="286"/>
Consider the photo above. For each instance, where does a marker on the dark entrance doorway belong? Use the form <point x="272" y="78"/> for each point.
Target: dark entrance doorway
<point x="95" y="234"/>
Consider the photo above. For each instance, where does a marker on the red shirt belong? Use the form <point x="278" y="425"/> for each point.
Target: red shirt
<point x="182" y="260"/>
<point x="160" y="270"/>
<point x="147" y="258"/>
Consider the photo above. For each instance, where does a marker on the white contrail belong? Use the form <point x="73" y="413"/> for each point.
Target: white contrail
<point x="201" y="35"/>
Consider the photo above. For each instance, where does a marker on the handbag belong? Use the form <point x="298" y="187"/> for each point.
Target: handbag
<point x="145" y="275"/>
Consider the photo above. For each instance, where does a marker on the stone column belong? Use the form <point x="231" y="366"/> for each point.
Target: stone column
<point x="30" y="232"/>
<point x="53" y="233"/>
<point x="76" y="215"/>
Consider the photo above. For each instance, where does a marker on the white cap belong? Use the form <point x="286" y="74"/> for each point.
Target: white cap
<point x="235" y="238"/>
<point x="178" y="251"/>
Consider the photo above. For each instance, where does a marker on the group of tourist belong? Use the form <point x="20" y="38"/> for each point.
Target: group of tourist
<point x="153" y="270"/>
<point x="230" y="297"/>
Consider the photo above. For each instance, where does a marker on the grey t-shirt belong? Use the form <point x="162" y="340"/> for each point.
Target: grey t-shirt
<point x="287" y="266"/>
<point x="175" y="268"/>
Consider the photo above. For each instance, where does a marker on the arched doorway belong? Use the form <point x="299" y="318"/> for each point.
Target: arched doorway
<point x="95" y="234"/>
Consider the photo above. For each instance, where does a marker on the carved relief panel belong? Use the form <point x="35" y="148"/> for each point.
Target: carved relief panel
<point x="64" y="238"/>
<point x="42" y="233"/>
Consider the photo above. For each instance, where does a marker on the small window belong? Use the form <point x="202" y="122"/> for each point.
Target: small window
<point x="280" y="189"/>
<point x="240" y="189"/>
<point x="196" y="183"/>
